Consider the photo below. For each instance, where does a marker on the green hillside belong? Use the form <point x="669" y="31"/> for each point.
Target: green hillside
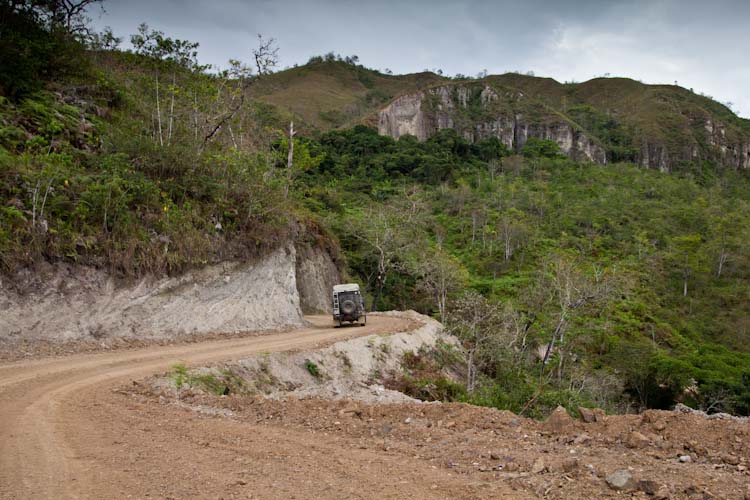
<point x="567" y="282"/>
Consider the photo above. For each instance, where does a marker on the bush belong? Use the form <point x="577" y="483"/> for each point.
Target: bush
<point x="312" y="368"/>
<point x="541" y="148"/>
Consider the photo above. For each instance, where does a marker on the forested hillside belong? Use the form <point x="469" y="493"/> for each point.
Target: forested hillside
<point x="638" y="278"/>
<point x="568" y="282"/>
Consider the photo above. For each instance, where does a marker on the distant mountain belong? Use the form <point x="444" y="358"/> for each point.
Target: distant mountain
<point x="603" y="120"/>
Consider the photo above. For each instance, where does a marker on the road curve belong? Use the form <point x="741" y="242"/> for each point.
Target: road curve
<point x="44" y="403"/>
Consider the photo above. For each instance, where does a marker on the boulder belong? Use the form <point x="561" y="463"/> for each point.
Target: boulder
<point x="587" y="415"/>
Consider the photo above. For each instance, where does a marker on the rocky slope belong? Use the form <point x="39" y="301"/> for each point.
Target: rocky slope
<point x="480" y="452"/>
<point x="350" y="369"/>
<point x="480" y="112"/>
<point x="71" y="303"/>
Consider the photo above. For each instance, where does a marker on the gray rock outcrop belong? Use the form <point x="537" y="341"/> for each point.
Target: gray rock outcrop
<point x="479" y="111"/>
<point x="68" y="302"/>
<point x="424" y="113"/>
<point x="316" y="273"/>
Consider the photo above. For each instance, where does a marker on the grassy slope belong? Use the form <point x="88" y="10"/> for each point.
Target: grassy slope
<point x="328" y="95"/>
<point x="84" y="179"/>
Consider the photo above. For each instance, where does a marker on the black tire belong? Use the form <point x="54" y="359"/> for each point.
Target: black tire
<point x="364" y="321"/>
<point x="348" y="307"/>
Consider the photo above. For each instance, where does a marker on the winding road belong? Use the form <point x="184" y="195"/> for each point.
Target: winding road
<point x="66" y="433"/>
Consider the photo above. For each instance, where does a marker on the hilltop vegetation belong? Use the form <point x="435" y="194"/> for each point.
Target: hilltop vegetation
<point x="567" y="282"/>
<point x="660" y="126"/>
<point x="328" y="93"/>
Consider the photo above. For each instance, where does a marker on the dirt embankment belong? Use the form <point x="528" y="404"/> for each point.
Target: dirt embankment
<point x="65" y="308"/>
<point x="352" y="369"/>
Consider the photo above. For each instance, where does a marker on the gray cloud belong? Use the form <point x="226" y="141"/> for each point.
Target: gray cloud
<point x="700" y="44"/>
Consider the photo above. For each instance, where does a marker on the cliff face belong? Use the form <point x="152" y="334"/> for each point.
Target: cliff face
<point x="604" y="120"/>
<point x="656" y="127"/>
<point x="480" y="113"/>
<point x="733" y="151"/>
<point x="703" y="139"/>
<point x="67" y="302"/>
<point x="316" y="273"/>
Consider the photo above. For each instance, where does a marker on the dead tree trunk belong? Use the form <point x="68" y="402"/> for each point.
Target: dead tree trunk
<point x="289" y="160"/>
<point x="171" y="112"/>
<point x="158" y="111"/>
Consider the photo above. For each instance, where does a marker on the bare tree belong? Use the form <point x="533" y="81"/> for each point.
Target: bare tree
<point x="490" y="334"/>
<point x="439" y="274"/>
<point x="182" y="53"/>
<point x="512" y="231"/>
<point x="572" y="290"/>
<point x="69" y="15"/>
<point x="289" y="161"/>
<point x="385" y="232"/>
<point x="266" y="57"/>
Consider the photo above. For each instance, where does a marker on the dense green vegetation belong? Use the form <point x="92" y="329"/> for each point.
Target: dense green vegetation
<point x="140" y="162"/>
<point x="567" y="283"/>
<point x="643" y="275"/>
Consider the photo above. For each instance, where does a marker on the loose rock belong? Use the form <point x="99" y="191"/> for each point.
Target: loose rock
<point x="587" y="415"/>
<point x="621" y="480"/>
<point x="582" y="439"/>
<point x="662" y="493"/>
<point x="538" y="466"/>
<point x="558" y="420"/>
<point x="570" y="464"/>
<point x="730" y="459"/>
<point x="637" y="440"/>
<point x="649" y="487"/>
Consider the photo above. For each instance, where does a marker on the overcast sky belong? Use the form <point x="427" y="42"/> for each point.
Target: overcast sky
<point x="704" y="45"/>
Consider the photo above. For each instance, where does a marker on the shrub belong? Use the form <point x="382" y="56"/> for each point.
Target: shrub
<point x="312" y="368"/>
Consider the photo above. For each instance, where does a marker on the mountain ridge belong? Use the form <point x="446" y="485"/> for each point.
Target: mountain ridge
<point x="659" y="126"/>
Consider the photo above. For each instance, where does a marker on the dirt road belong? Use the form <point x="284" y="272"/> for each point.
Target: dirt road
<point x="83" y="426"/>
<point x="66" y="433"/>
